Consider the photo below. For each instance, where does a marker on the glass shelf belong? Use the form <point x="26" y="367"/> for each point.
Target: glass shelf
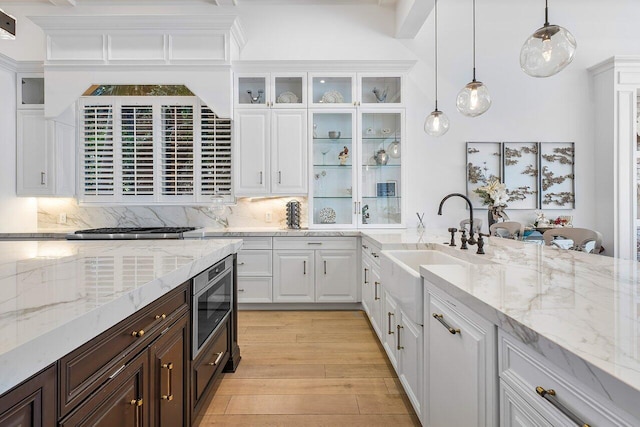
<point x="380" y="166"/>
<point x="332" y="139"/>
<point x="333" y="166"/>
<point x="378" y="138"/>
<point x="332" y="197"/>
<point x="381" y="197"/>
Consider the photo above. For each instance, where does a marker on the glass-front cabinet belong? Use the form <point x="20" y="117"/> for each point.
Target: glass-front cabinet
<point x="356" y="159"/>
<point x="355" y="90"/>
<point x="271" y="90"/>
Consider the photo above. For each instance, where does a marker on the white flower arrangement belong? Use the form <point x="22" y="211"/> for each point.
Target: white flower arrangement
<point x="493" y="194"/>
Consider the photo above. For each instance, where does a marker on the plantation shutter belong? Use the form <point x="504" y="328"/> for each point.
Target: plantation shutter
<point x="137" y="150"/>
<point x="215" y="135"/>
<point x="97" y="151"/>
<point x="177" y="150"/>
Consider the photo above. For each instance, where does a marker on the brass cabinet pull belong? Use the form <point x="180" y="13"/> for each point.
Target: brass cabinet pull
<point x="355" y="207"/>
<point x="365" y="276"/>
<point x="240" y="290"/>
<point x="138" y="334"/>
<point x="376" y="297"/>
<point x="137" y="403"/>
<point x="375" y="255"/>
<point x="241" y="263"/>
<point x="550" y="396"/>
<point x="169" y="368"/>
<point x="279" y="177"/>
<point x="214" y="363"/>
<point x="389" y="331"/>
<point x="365" y="247"/>
<point x="161" y="316"/>
<point x="440" y="318"/>
<point x="325" y="267"/>
<point x="399" y="346"/>
<point x="260" y="177"/>
<point x="304" y="267"/>
<point x="314" y="243"/>
<point x="41" y="178"/>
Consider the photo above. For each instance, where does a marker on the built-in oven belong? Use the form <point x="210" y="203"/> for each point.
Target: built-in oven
<point x="212" y="302"/>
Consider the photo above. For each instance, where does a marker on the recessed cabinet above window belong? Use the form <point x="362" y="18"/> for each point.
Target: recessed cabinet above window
<point x="282" y="90"/>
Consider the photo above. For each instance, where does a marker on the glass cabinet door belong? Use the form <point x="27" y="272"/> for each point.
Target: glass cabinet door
<point x="332" y="181"/>
<point x="289" y="90"/>
<point x="252" y="90"/>
<point x="331" y="90"/>
<point x="380" y="168"/>
<point x="381" y="91"/>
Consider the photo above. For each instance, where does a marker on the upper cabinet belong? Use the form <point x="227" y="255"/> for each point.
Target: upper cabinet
<point x="336" y="90"/>
<point x="30" y="91"/>
<point x="265" y="90"/>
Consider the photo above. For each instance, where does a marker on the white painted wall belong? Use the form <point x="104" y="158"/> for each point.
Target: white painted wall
<point x="16" y="213"/>
<point x="525" y="109"/>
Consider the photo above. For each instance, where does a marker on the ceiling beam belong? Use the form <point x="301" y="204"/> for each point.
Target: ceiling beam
<point x="411" y="16"/>
<point x="63" y="2"/>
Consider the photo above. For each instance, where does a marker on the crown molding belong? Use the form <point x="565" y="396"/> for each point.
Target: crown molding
<point x="102" y="23"/>
<point x="400" y="66"/>
<point x="615" y="62"/>
<point x="8" y="63"/>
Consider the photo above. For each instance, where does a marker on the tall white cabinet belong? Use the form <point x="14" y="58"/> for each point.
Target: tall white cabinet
<point x="270" y="135"/>
<point x="45" y="148"/>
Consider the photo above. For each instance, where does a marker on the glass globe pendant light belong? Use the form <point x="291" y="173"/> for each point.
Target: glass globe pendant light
<point x="474" y="98"/>
<point x="436" y="123"/>
<point x="547" y="51"/>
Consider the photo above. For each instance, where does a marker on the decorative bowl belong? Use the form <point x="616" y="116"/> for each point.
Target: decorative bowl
<point x="334" y="134"/>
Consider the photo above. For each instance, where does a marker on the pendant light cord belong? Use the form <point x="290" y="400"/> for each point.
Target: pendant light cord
<point x="474" y="40"/>
<point x="436" y="50"/>
<point x="546" y="13"/>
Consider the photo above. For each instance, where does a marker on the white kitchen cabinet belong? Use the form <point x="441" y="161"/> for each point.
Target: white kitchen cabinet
<point x="315" y="270"/>
<point x="293" y="276"/>
<point x="270" y="152"/>
<point x="336" y="279"/>
<point x="30" y="91"/>
<point x="255" y="290"/>
<point x="372" y="292"/>
<point x="271" y="90"/>
<point x="355" y="89"/>
<point x="409" y="340"/>
<point x="45" y="155"/>
<point x="516" y="412"/>
<point x="392" y="315"/>
<point x="527" y="375"/>
<point x="461" y="360"/>
<point x="357" y="177"/>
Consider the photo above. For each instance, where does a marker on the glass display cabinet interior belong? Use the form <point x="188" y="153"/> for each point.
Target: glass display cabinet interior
<point x="332" y="91"/>
<point x="271" y="90"/>
<point x="252" y="91"/>
<point x="380" y="170"/>
<point x="333" y="175"/>
<point x="381" y="90"/>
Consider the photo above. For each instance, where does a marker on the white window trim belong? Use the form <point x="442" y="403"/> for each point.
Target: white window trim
<point x="197" y="199"/>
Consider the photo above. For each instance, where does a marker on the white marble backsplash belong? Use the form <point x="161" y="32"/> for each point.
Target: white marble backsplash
<point x="247" y="212"/>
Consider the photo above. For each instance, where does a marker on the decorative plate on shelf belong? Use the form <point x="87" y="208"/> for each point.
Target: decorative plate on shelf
<point x="332" y="97"/>
<point x="287" y="98"/>
<point x="327" y="216"/>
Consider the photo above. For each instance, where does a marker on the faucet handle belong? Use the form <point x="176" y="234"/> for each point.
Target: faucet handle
<point x="452" y="230"/>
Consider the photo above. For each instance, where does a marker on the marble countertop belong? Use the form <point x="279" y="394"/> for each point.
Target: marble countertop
<point x="268" y="232"/>
<point x="580" y="311"/>
<point x="57" y="295"/>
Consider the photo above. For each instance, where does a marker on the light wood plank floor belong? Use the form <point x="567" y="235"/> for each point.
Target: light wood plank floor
<point x="309" y="368"/>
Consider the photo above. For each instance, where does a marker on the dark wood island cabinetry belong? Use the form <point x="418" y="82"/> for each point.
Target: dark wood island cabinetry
<point x="32" y="403"/>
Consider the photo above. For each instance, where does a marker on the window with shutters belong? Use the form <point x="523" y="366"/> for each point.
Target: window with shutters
<point x="163" y="150"/>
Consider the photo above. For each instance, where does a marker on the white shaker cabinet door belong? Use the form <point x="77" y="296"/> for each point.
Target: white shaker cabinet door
<point x="289" y="152"/>
<point x="336" y="276"/>
<point x="34" y="155"/>
<point x="252" y="132"/>
<point x="391" y="313"/>
<point x="409" y="338"/>
<point x="516" y="412"/>
<point x="293" y="276"/>
<point x="376" y="292"/>
<point x="461" y="374"/>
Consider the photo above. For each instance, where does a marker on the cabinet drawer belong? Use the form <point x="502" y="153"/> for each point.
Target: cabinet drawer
<point x="255" y="263"/>
<point x="314" y="242"/>
<point x="252" y="243"/>
<point x="210" y="362"/>
<point x="255" y="289"/>
<point x="85" y="368"/>
<point x="524" y="371"/>
<point x="371" y="250"/>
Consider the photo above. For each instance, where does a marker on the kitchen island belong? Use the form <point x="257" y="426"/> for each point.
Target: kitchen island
<point x="57" y="295"/>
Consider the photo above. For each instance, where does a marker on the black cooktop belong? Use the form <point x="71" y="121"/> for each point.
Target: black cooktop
<point x="129" y="233"/>
<point x="135" y="230"/>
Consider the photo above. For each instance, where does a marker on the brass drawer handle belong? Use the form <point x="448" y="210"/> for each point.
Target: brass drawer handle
<point x="550" y="396"/>
<point x="241" y="263"/>
<point x="169" y="368"/>
<point x="399" y="346"/>
<point x="304" y="267"/>
<point x="389" y="331"/>
<point x="214" y="363"/>
<point x="240" y="290"/>
<point x="137" y="403"/>
<point x="376" y="297"/>
<point x="365" y="247"/>
<point x="440" y="318"/>
<point x="325" y="268"/>
<point x="375" y="255"/>
<point x="366" y="281"/>
<point x="161" y="316"/>
<point x="138" y="334"/>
